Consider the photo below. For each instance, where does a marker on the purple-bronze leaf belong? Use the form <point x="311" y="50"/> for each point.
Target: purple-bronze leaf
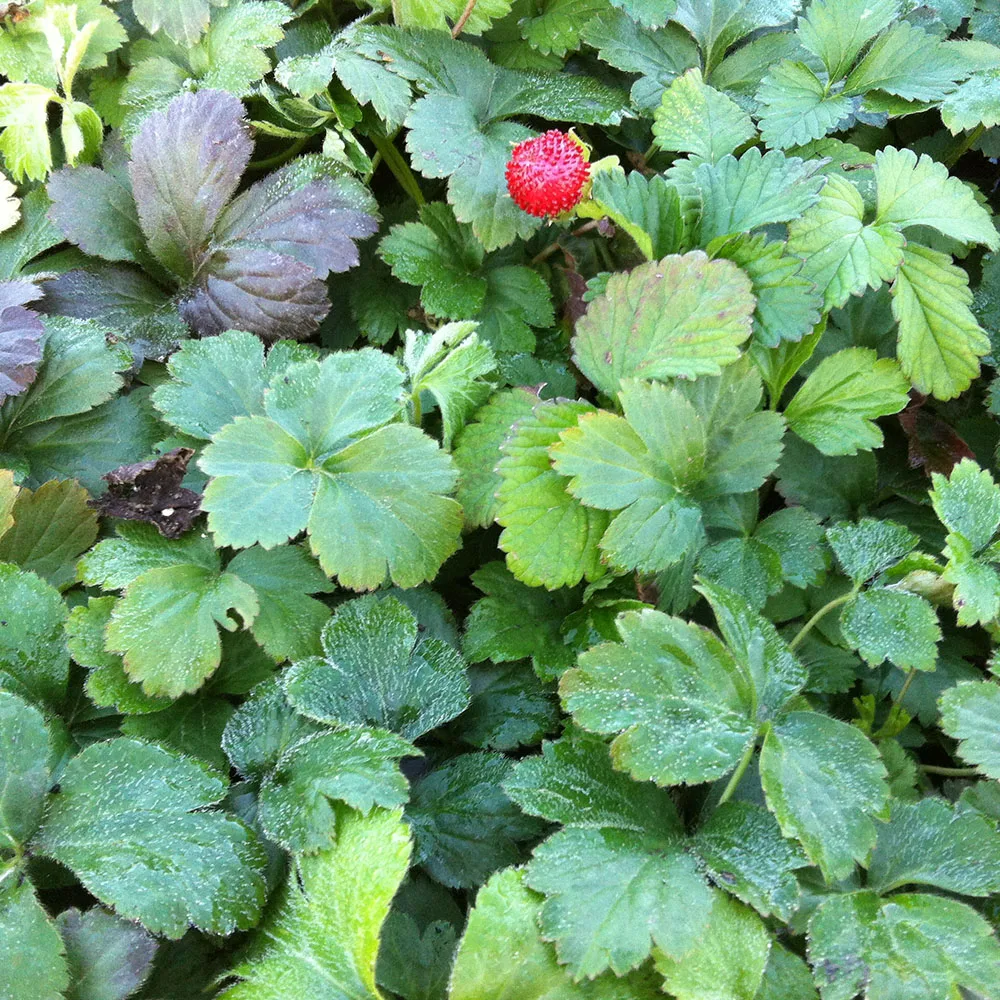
<point x="254" y="289"/>
<point x="95" y="210"/>
<point x="300" y="212"/>
<point x="186" y="163"/>
<point x="20" y="337"/>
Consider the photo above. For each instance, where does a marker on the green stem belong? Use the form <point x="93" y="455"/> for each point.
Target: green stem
<point x="897" y="703"/>
<point x="951" y="772"/>
<point x="741" y="769"/>
<point x="417" y="411"/>
<point x="822" y="613"/>
<point x="279" y="158"/>
<point x="962" y="145"/>
<point x="399" y="167"/>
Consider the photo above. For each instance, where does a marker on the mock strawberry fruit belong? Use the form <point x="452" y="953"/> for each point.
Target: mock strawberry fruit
<point x="546" y="175"/>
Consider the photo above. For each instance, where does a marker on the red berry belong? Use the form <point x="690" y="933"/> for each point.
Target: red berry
<point x="545" y="175"/>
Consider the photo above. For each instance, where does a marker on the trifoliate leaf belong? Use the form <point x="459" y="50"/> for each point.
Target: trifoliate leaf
<point x="657" y="55"/>
<point x="744" y="852"/>
<point x="727" y="962"/>
<point x="837" y="30"/>
<point x="967" y="502"/>
<point x="125" y="823"/>
<point x="940" y="342"/>
<point x="648" y="209"/>
<point x="477" y="452"/>
<point x="926" y="946"/>
<point x="464" y="826"/>
<point x="33" y="659"/>
<point x="504" y="922"/>
<point x="895" y="625"/>
<point x="788" y="303"/>
<point x="867" y="548"/>
<point x="377" y="671"/>
<point x="797" y="538"/>
<point x="557" y="27"/>
<point x="514" y="622"/>
<point x="450" y="365"/>
<point x="549" y="537"/>
<point x="308" y="74"/>
<point x="977" y="583"/>
<point x="165" y="626"/>
<point x="739" y="196"/>
<point x="718" y="24"/>
<point x="36" y="956"/>
<point x="798" y="106"/>
<point x="969" y="713"/>
<point x="836" y="407"/>
<point x="218" y="379"/>
<point x="374" y="504"/>
<point x="357" y="766"/>
<point x="696" y="118"/>
<point x="257" y="264"/>
<point x="743" y="564"/>
<point x="192" y="725"/>
<point x="932" y="843"/>
<point x="825" y="783"/>
<point x="644" y="465"/>
<point x="674" y="693"/>
<point x="910" y="63"/>
<point x="442" y="256"/>
<point x="24" y="770"/>
<point x="914" y="192"/>
<point x="632" y="884"/>
<point x="842" y="255"/>
<point x="767" y="664"/>
<point x="459" y="129"/>
<point x="230" y="56"/>
<point x="183" y="21"/>
<point x="674" y="448"/>
<point x="288" y="622"/>
<point x="52" y="526"/>
<point x="681" y="316"/>
<point x="595" y="878"/>
<point x="322" y="940"/>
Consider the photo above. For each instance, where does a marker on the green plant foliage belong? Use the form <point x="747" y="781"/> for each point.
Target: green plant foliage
<point x="404" y="596"/>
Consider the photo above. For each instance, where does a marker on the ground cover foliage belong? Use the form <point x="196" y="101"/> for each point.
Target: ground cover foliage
<point x="403" y="595"/>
